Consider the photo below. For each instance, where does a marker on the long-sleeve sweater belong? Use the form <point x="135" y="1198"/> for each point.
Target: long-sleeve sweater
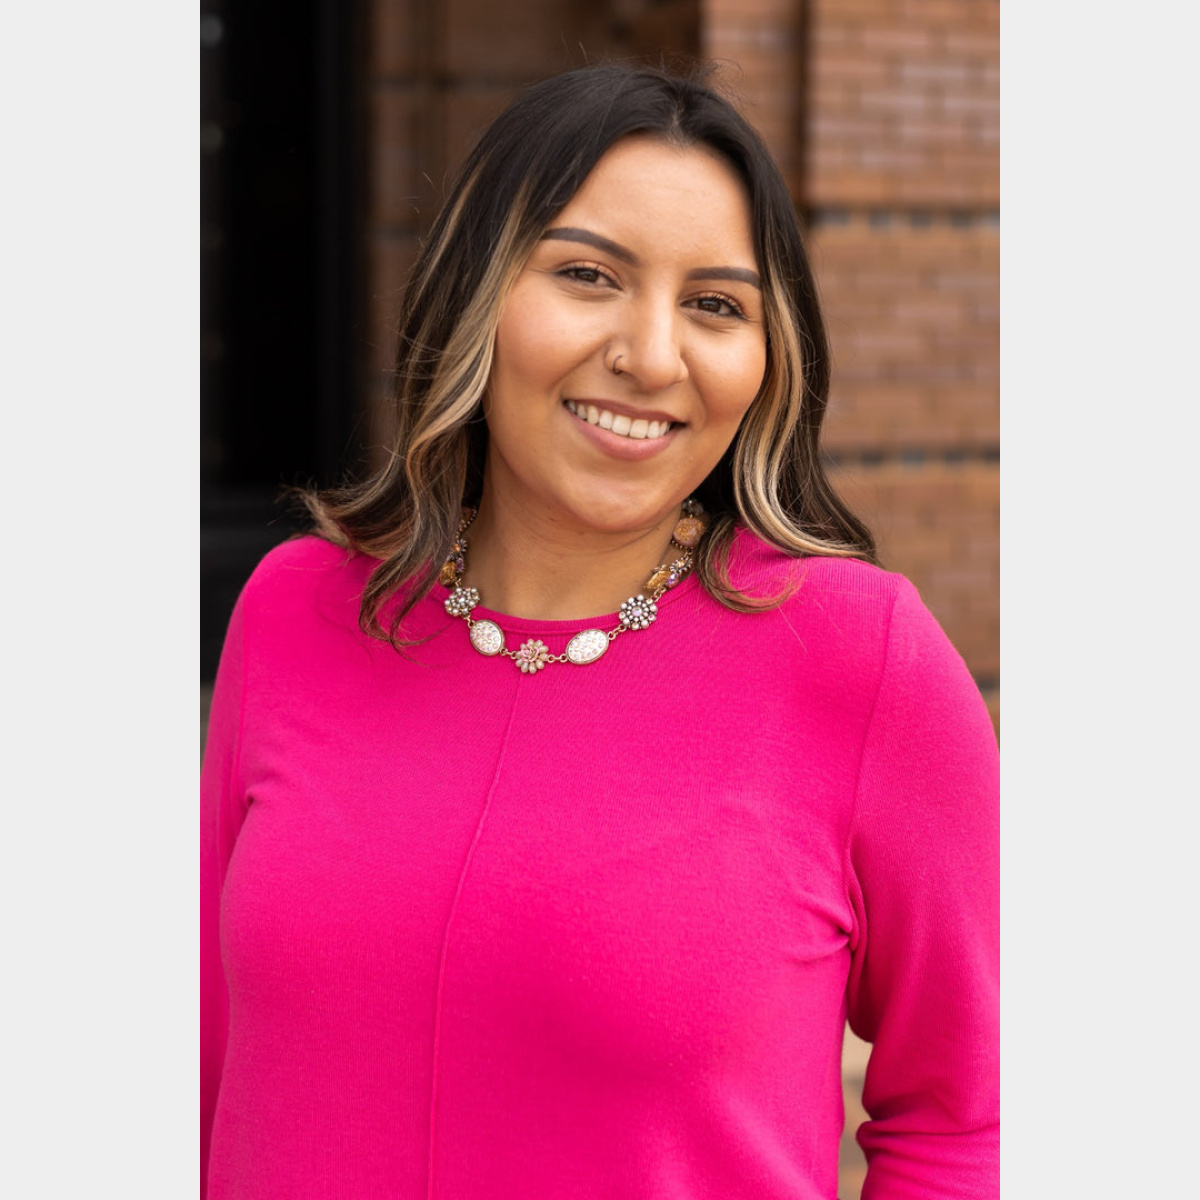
<point x="595" y="932"/>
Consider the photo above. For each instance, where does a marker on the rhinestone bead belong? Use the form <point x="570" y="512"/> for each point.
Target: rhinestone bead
<point x="638" y="613"/>
<point x="587" y="646"/>
<point x="487" y="638"/>
<point x="460" y="601"/>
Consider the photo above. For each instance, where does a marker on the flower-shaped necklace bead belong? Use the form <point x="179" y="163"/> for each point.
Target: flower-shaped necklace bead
<point x="636" y="613"/>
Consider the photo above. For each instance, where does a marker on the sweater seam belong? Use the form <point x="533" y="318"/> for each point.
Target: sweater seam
<point x="462" y="878"/>
<point x="862" y="754"/>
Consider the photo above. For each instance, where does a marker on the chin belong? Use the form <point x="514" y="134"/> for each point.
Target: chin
<point x="616" y="510"/>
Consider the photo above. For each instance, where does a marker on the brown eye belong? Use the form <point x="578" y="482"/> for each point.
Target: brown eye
<point x="719" y="306"/>
<point x="582" y="273"/>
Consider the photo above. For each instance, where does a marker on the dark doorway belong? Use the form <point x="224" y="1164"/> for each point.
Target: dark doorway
<point x="281" y="276"/>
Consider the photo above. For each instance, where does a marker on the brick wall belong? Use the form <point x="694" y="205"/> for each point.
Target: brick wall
<point x="913" y="314"/>
<point x="904" y="103"/>
<point x="759" y="47"/>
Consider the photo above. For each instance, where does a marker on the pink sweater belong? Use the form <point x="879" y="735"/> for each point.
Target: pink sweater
<point x="475" y="935"/>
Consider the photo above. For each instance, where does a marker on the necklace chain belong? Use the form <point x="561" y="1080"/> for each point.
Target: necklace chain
<point x="637" y="613"/>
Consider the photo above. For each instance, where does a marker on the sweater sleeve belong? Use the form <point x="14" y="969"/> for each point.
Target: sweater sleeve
<point x="221" y="812"/>
<point x="923" y="882"/>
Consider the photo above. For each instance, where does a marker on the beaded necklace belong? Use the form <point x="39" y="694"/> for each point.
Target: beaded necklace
<point x="638" y="612"/>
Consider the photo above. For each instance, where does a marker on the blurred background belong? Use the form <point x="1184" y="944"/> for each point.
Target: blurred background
<point x="329" y="128"/>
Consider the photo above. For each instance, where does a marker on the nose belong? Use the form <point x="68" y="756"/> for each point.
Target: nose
<point x="652" y="354"/>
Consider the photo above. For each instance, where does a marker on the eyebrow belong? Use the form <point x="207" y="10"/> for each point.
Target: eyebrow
<point x="567" y="233"/>
<point x="737" y="274"/>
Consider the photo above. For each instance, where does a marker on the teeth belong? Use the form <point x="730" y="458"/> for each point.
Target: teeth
<point x="617" y="423"/>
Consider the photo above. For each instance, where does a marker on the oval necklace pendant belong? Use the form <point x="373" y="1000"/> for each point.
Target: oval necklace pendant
<point x="487" y="638"/>
<point x="587" y="646"/>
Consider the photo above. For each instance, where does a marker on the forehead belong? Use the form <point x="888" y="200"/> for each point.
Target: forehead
<point x="652" y="190"/>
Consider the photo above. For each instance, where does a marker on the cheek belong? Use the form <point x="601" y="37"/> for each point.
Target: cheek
<point x="534" y="340"/>
<point x="528" y="364"/>
<point x="516" y="352"/>
<point x="737" y="386"/>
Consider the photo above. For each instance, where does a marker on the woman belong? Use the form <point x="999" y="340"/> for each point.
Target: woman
<point x="590" y="922"/>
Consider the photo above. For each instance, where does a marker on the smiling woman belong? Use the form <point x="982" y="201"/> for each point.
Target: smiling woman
<point x="596" y="930"/>
<point x="616" y="322"/>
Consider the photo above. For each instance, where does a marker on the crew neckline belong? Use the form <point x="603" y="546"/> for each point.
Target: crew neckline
<point x="606" y="621"/>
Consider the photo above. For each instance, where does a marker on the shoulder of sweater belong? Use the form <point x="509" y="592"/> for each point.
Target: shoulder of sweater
<point x="296" y="571"/>
<point x="857" y="613"/>
<point x="848" y="585"/>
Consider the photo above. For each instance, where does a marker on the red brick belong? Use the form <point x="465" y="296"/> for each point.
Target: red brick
<point x="935" y="133"/>
<point x="971" y="43"/>
<point x="896" y="158"/>
<point x="901" y="101"/>
<point x="778" y="12"/>
<point x="897" y="40"/>
<point x="982" y="111"/>
<point x="941" y="72"/>
<point x="829" y="37"/>
<point x="843" y="68"/>
<point x="845" y="129"/>
<point x="861" y="11"/>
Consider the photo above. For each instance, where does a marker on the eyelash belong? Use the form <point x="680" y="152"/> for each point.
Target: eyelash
<point x="574" y="271"/>
<point x="735" y="309"/>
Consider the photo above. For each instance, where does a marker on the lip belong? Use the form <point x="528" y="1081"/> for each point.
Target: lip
<point x="616" y="446"/>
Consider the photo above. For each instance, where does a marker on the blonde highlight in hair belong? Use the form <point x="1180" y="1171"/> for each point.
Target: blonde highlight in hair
<point x="439" y="385"/>
<point x="523" y="171"/>
<point x="771" y="486"/>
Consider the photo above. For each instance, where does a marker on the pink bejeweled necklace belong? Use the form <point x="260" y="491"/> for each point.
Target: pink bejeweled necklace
<point x="638" y="612"/>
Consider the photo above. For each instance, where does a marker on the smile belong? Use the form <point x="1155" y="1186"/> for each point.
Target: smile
<point x="618" y="423"/>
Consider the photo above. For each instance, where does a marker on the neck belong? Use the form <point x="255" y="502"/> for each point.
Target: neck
<point x="544" y="570"/>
